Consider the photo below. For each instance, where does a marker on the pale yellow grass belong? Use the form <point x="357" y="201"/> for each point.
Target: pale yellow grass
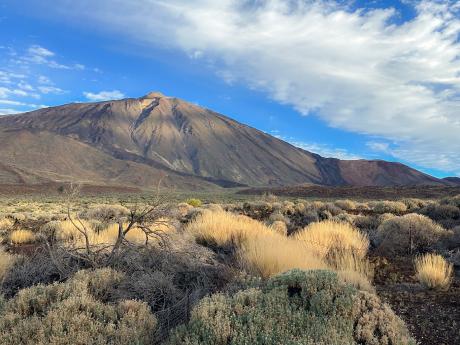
<point x="266" y="252"/>
<point x="68" y="231"/>
<point x="268" y="255"/>
<point x="352" y="269"/>
<point x="224" y="228"/>
<point x="328" y="236"/>
<point x="433" y="271"/>
<point x="22" y="236"/>
<point x="6" y="262"/>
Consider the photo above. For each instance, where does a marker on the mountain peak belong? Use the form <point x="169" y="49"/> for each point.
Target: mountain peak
<point x="153" y="94"/>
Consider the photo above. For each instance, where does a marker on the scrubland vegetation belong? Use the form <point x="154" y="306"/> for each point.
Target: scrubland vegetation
<point x="266" y="271"/>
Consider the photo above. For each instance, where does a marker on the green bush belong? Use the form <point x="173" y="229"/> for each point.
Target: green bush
<point x="74" y="313"/>
<point x="194" y="202"/>
<point x="295" y="308"/>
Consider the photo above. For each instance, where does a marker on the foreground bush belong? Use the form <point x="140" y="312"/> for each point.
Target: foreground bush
<point x="409" y="233"/>
<point x="75" y="313"/>
<point x="295" y="308"/>
<point x="433" y="271"/>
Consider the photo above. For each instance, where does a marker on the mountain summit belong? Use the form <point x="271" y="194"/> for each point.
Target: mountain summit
<point x="134" y="141"/>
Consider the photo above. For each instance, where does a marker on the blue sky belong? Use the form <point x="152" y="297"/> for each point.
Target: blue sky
<point x="347" y="79"/>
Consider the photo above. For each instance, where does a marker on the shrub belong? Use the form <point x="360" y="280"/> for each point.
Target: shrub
<point x="395" y="207"/>
<point x="366" y="223"/>
<point x="347" y="205"/>
<point x="296" y="308"/>
<point x="39" y="268"/>
<point x="106" y="213"/>
<point x="414" y="204"/>
<point x="332" y="209"/>
<point x="184" y="209"/>
<point x="433" y="271"/>
<point x="277" y="216"/>
<point x="409" y="233"/>
<point x="70" y="313"/>
<point x="213" y="207"/>
<point x="329" y="236"/>
<point x="194" y="202"/>
<point x="260" y="210"/>
<point x="22" y="236"/>
<point x="453" y="201"/>
<point x="280" y="227"/>
<point x="440" y="212"/>
<point x="376" y="324"/>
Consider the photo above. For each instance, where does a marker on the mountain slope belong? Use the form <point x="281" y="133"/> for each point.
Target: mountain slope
<point x="135" y="141"/>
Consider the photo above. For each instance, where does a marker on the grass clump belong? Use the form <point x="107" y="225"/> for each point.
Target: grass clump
<point x="7" y="261"/>
<point x="433" y="271"/>
<point x="267" y="256"/>
<point x="225" y="228"/>
<point x="296" y="308"/>
<point x="22" y="236"/>
<point x="330" y="236"/>
<point x="73" y="313"/>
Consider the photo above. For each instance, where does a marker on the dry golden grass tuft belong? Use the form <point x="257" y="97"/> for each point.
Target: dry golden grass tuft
<point x="270" y="255"/>
<point x="224" y="228"/>
<point x="265" y="251"/>
<point x="69" y="231"/>
<point x="22" y="236"/>
<point x="7" y="261"/>
<point x="330" y="236"/>
<point x="433" y="271"/>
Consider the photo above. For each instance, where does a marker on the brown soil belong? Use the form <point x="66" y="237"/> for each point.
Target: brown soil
<point x="433" y="317"/>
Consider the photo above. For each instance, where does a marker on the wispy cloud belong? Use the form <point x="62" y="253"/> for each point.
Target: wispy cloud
<point x="103" y="95"/>
<point x="23" y="76"/>
<point x="354" y="68"/>
<point x="37" y="54"/>
<point x="322" y="149"/>
<point x="50" y="89"/>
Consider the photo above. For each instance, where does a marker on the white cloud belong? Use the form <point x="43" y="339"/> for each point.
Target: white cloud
<point x="50" y="89"/>
<point x="104" y="95"/>
<point x="324" y="150"/>
<point x="36" y="50"/>
<point x="44" y="80"/>
<point x="356" y="69"/>
<point x="39" y="55"/>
